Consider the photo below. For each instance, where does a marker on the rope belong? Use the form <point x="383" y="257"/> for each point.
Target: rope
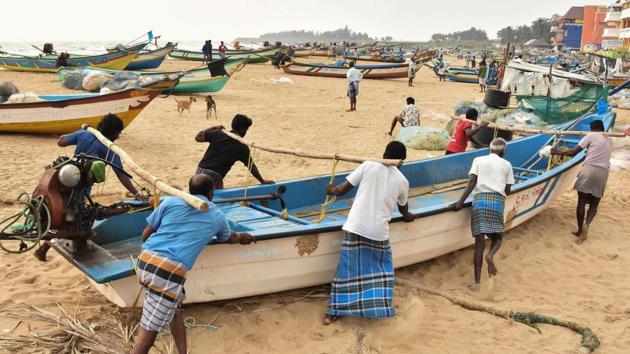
<point x="330" y="199"/>
<point x="250" y="163"/>
<point x="191" y="322"/>
<point x="32" y="214"/>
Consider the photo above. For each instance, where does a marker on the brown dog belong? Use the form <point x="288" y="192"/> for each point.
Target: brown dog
<point x="185" y="105"/>
<point x="210" y="106"/>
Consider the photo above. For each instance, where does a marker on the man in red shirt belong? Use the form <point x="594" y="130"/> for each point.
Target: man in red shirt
<point x="222" y="50"/>
<point x="465" y="131"/>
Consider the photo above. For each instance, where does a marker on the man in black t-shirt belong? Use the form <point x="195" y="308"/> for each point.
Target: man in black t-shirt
<point x="224" y="151"/>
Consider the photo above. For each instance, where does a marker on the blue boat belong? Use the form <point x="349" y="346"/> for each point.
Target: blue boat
<point x="151" y="59"/>
<point x="295" y="251"/>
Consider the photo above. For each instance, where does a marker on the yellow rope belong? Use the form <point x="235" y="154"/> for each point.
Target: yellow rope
<point x="553" y="145"/>
<point x="250" y="163"/>
<point x="330" y="199"/>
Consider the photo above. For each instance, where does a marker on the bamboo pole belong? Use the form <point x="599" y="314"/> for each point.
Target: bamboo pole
<point x="540" y="131"/>
<point x="312" y="155"/>
<point x="154" y="181"/>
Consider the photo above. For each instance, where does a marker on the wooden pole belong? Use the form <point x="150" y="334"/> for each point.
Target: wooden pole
<point x="541" y="131"/>
<point x="154" y="181"/>
<point x="311" y="155"/>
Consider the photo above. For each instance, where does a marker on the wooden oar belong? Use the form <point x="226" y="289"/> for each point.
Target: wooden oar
<point x="313" y="155"/>
<point x="542" y="131"/>
<point x="154" y="181"/>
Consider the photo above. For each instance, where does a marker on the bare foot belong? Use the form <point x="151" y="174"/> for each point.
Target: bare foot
<point x="40" y="255"/>
<point x="492" y="269"/>
<point x="328" y="320"/>
<point x="583" y="236"/>
<point x="577" y="233"/>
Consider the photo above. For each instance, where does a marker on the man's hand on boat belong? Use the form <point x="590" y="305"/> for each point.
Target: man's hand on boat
<point x="406" y="215"/>
<point x="241" y="237"/>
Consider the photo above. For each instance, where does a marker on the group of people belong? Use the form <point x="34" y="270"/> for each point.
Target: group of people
<point x="363" y="285"/>
<point x="207" y="51"/>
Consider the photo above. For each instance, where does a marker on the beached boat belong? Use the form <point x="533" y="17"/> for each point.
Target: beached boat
<point x="253" y="56"/>
<point x="151" y="59"/>
<point x="375" y="58"/>
<point x="114" y="60"/>
<point x="386" y="71"/>
<point x="295" y="252"/>
<point x="191" y="82"/>
<point x="61" y="114"/>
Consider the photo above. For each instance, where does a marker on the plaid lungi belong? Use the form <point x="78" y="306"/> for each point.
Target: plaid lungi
<point x="163" y="281"/>
<point x="364" y="283"/>
<point x="487" y="213"/>
<point x="216" y="178"/>
<point x="353" y="89"/>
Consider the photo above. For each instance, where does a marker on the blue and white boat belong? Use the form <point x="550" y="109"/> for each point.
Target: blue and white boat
<point x="295" y="251"/>
<point x="151" y="59"/>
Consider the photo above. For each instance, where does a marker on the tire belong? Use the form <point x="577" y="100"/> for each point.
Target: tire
<point x="496" y="98"/>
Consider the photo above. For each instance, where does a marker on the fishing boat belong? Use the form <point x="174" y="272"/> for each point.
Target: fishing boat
<point x="375" y="58"/>
<point x="294" y="251"/>
<point x="253" y="56"/>
<point x="190" y="82"/>
<point x="114" y="60"/>
<point x="151" y="59"/>
<point x="386" y="71"/>
<point x="61" y="114"/>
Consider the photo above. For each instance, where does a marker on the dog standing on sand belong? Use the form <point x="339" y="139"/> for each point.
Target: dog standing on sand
<point x="185" y="105"/>
<point x="211" y="105"/>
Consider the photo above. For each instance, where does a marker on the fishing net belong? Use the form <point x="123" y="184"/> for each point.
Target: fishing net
<point x="560" y="110"/>
<point x="462" y="107"/>
<point x="620" y="100"/>
<point x="424" y="138"/>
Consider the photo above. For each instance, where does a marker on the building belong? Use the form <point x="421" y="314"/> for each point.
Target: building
<point x="594" y="24"/>
<point x="611" y="36"/>
<point x="567" y="29"/>
<point x="624" y="33"/>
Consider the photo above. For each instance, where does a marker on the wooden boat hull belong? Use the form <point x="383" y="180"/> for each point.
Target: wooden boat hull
<point x="296" y="253"/>
<point x="65" y="114"/>
<point x="374" y="59"/>
<point x="114" y="61"/>
<point x="253" y="57"/>
<point x="396" y="71"/>
<point x="150" y="60"/>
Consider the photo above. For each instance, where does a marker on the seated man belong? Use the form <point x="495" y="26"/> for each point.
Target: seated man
<point x="408" y="117"/>
<point x="173" y="239"/>
<point x="224" y="151"/>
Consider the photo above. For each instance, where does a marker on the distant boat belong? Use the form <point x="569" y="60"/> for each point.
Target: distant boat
<point x="114" y="60"/>
<point x="386" y="71"/>
<point x="294" y="251"/>
<point x="151" y="59"/>
<point x="253" y="56"/>
<point x="61" y="114"/>
<point x="191" y="82"/>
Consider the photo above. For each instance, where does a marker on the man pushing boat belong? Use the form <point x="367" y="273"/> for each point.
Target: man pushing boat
<point x="223" y="151"/>
<point x="364" y="283"/>
<point x="491" y="180"/>
<point x="173" y="239"/>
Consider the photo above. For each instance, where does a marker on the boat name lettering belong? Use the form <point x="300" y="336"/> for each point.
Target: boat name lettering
<point x="264" y="252"/>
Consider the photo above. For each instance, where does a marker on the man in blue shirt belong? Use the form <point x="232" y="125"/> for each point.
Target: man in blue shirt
<point x="173" y="239"/>
<point x="86" y="143"/>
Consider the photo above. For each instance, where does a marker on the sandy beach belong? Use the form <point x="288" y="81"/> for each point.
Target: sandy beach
<point x="540" y="267"/>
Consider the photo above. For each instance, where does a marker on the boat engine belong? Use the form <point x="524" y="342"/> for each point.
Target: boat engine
<point x="61" y="207"/>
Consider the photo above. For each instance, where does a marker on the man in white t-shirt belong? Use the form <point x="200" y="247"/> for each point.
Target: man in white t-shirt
<point x="491" y="179"/>
<point x="364" y="282"/>
<point x="354" y="76"/>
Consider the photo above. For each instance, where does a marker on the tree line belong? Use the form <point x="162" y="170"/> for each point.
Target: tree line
<point x="539" y="29"/>
<point x="472" y="34"/>
<point x="342" y="34"/>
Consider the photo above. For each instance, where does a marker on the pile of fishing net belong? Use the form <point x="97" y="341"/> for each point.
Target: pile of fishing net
<point x="7" y="89"/>
<point x="95" y="81"/>
<point x="620" y="100"/>
<point x="424" y="138"/>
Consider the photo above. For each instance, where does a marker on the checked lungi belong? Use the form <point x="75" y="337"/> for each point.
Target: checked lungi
<point x="364" y="283"/>
<point x="487" y="213"/>
<point x="353" y="89"/>
<point x="217" y="179"/>
<point x="163" y="281"/>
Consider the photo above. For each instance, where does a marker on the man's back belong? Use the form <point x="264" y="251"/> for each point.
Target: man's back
<point x="87" y="143"/>
<point x="222" y="153"/>
<point x="381" y="188"/>
<point x="183" y="231"/>
<point x="493" y="174"/>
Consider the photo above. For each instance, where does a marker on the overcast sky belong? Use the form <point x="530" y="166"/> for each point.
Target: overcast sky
<point x="191" y="20"/>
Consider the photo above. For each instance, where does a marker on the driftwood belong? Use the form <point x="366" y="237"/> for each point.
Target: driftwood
<point x="154" y="181"/>
<point x="589" y="342"/>
<point x="539" y="131"/>
<point x="312" y="155"/>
